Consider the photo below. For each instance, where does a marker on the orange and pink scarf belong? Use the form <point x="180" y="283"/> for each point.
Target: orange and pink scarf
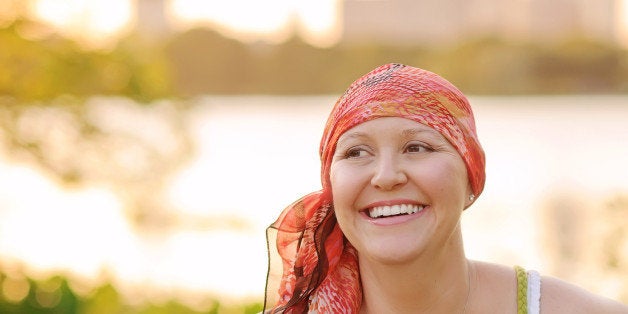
<point x="319" y="269"/>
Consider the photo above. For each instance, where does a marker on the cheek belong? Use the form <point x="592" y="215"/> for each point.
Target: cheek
<point x="344" y="185"/>
<point x="344" y="189"/>
<point x="458" y="182"/>
<point x="446" y="176"/>
<point x="337" y="182"/>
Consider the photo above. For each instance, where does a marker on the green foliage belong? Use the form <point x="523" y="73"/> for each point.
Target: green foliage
<point x="49" y="296"/>
<point x="54" y="66"/>
<point x="55" y="296"/>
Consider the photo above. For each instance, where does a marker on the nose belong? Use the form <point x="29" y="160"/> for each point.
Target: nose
<point x="388" y="173"/>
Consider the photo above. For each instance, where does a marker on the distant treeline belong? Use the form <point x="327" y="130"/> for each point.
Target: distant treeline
<point x="201" y="61"/>
<point x="205" y="62"/>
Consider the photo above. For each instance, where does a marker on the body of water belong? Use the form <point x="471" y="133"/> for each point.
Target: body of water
<point x="255" y="155"/>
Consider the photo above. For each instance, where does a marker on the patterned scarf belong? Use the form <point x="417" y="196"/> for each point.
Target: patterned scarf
<point x="319" y="270"/>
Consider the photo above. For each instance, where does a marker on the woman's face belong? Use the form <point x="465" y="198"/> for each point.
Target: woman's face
<point x="399" y="188"/>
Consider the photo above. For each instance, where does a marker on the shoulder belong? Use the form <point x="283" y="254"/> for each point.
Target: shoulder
<point x="495" y="273"/>
<point x="494" y="289"/>
<point x="558" y="296"/>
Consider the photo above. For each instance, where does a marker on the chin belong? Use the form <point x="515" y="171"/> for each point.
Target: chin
<point x="391" y="254"/>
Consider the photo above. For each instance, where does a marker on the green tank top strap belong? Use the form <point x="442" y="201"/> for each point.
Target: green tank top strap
<point x="522" y="290"/>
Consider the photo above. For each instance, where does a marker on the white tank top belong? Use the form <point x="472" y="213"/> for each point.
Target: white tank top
<point x="534" y="292"/>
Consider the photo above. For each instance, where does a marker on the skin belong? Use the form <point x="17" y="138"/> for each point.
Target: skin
<point x="416" y="263"/>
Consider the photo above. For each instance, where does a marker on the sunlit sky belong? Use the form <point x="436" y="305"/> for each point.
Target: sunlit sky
<point x="317" y="20"/>
<point x="244" y="19"/>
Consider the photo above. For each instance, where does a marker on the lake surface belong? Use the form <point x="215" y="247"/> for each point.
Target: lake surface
<point x="254" y="155"/>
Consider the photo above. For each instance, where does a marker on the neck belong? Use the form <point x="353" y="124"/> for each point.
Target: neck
<point x="435" y="282"/>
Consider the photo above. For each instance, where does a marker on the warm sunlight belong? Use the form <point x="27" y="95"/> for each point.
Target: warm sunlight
<point x="238" y="15"/>
<point x="147" y="145"/>
<point x="270" y="20"/>
<point x="317" y="21"/>
<point x="93" y="20"/>
<point x="623" y="21"/>
<point x="88" y="20"/>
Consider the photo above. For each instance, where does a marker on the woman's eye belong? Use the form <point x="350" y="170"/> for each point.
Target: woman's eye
<point x="417" y="148"/>
<point x="355" y="153"/>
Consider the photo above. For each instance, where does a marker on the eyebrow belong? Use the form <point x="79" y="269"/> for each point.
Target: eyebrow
<point x="405" y="133"/>
<point x="352" y="135"/>
<point x="415" y="131"/>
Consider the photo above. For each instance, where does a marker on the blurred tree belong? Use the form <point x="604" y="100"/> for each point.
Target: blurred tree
<point x="113" y="142"/>
<point x="137" y="69"/>
<point x="586" y="241"/>
<point x="579" y="65"/>
<point x="487" y="65"/>
<point x="52" y="296"/>
<point x="614" y="243"/>
<point x="46" y="67"/>
<point x="206" y="62"/>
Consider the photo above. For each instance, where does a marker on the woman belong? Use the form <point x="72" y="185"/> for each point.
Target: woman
<point x="400" y="162"/>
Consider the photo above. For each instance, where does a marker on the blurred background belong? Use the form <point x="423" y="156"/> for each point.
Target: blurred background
<point x="145" y="145"/>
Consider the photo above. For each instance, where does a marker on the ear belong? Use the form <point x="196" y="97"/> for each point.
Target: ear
<point x="470" y="197"/>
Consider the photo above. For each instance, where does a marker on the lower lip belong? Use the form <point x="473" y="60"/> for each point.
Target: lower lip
<point x="394" y="220"/>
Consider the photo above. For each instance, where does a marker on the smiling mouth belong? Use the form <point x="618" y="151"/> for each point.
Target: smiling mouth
<point x="394" y="210"/>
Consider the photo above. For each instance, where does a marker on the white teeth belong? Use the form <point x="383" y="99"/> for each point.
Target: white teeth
<point x="385" y="211"/>
<point x="395" y="210"/>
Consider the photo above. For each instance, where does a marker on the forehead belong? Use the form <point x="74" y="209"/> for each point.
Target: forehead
<point x="402" y="126"/>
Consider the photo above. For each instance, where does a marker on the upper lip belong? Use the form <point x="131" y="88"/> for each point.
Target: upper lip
<point x="392" y="202"/>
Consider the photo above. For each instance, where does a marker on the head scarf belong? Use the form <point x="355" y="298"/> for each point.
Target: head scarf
<point x="319" y="267"/>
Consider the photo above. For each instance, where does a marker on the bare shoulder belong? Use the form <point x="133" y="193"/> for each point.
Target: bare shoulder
<point x="495" y="275"/>
<point x="558" y="296"/>
<point x="498" y="293"/>
<point x="494" y="288"/>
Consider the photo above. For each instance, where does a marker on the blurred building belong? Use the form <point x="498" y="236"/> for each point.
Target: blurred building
<point x="151" y="19"/>
<point x="403" y="21"/>
<point x="410" y="22"/>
